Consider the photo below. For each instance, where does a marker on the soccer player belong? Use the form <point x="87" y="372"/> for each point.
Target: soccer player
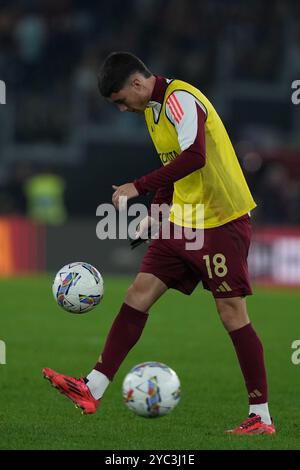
<point x="199" y="167"/>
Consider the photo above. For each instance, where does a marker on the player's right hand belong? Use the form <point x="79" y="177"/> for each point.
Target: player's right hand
<point x="122" y="194"/>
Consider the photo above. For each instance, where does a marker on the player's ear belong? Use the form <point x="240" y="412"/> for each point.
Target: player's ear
<point x="136" y="83"/>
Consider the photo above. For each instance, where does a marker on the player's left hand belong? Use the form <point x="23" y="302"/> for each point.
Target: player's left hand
<point x="126" y="190"/>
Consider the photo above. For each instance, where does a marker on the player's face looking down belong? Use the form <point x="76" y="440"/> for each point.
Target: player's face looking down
<point x="135" y="94"/>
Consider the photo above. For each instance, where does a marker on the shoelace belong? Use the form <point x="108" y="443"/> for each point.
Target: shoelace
<point x="73" y="387"/>
<point x="249" y="422"/>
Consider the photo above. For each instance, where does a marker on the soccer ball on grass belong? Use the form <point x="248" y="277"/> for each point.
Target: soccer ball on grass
<point x="151" y="389"/>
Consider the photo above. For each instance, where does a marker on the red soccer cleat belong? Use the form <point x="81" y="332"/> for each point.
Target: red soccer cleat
<point x="253" y="425"/>
<point x="75" y="389"/>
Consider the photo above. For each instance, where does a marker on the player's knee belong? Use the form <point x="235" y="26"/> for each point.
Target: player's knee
<point x="232" y="313"/>
<point x="227" y="314"/>
<point x="226" y="306"/>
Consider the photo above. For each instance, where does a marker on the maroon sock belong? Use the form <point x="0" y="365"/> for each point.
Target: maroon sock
<point x="124" y="334"/>
<point x="250" y="354"/>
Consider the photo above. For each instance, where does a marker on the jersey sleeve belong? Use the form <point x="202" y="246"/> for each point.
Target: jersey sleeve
<point x="182" y="109"/>
<point x="188" y="116"/>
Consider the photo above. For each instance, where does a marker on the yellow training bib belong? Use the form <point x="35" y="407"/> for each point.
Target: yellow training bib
<point x="219" y="186"/>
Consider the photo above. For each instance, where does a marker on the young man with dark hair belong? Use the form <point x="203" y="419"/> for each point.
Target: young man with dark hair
<point x="199" y="167"/>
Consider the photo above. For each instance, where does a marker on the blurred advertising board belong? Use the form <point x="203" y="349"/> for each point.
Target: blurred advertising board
<point x="22" y="246"/>
<point x="274" y="257"/>
<point x="27" y="248"/>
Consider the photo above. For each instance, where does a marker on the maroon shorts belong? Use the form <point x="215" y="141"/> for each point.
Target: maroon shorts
<point x="221" y="264"/>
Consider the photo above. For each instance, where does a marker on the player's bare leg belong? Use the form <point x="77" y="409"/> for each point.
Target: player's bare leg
<point x="124" y="334"/>
<point x="249" y="350"/>
<point x="233" y="312"/>
<point x="144" y="291"/>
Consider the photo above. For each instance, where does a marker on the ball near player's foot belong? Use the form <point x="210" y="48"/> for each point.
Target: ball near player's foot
<point x="151" y="389"/>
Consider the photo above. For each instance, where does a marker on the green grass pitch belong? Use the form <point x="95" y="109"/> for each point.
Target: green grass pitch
<point x="183" y="332"/>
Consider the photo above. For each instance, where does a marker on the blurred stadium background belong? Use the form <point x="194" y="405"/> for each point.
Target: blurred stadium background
<point x="61" y="149"/>
<point x="61" y="146"/>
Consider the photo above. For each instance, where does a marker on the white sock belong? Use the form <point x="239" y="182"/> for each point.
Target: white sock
<point x="97" y="383"/>
<point x="263" y="411"/>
